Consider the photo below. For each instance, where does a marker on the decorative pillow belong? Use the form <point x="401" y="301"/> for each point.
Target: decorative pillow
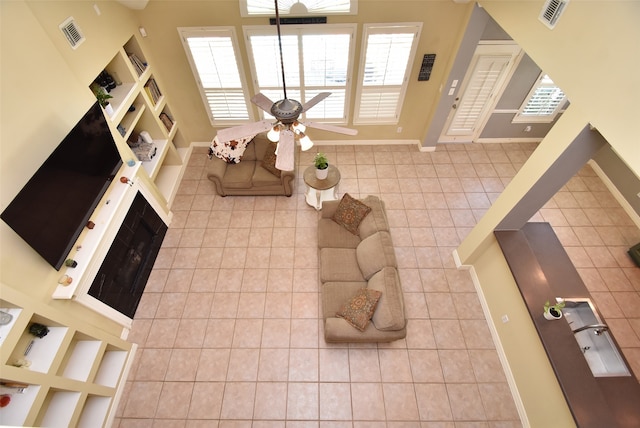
<point x="350" y="213"/>
<point x="229" y="151"/>
<point x="269" y="160"/>
<point x="359" y="310"/>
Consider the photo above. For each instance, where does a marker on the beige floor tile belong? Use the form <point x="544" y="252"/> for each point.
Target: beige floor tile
<point x="174" y="400"/>
<point x="302" y="401"/>
<point x="206" y="401"/>
<point x="433" y="402"/>
<point x="238" y="400"/>
<point x="367" y="402"/>
<point x="271" y="400"/>
<point x="400" y="402"/>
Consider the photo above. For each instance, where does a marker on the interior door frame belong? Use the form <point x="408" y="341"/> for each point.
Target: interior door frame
<point x="484" y="48"/>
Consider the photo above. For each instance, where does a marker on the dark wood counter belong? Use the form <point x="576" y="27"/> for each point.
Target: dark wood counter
<point x="543" y="271"/>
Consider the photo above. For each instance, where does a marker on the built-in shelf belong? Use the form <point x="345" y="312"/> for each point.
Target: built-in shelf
<point x="73" y="375"/>
<point x="81" y="359"/>
<point x="60" y="408"/>
<point x="111" y="366"/>
<point x="6" y="328"/>
<point x="15" y="414"/>
<point x="94" y="412"/>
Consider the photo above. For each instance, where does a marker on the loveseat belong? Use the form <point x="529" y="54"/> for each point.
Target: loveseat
<point x="350" y="262"/>
<point x="253" y="174"/>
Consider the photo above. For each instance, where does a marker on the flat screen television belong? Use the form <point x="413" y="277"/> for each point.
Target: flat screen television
<point x="54" y="206"/>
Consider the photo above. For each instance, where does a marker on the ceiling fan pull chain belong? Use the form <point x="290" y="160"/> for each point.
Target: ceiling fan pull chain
<point x="284" y="85"/>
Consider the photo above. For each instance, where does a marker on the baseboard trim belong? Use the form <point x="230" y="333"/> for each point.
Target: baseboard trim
<point x="626" y="206"/>
<point x="507" y="140"/>
<point x="511" y="381"/>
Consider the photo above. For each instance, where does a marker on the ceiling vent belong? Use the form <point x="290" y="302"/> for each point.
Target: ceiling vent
<point x="551" y="12"/>
<point x="72" y="32"/>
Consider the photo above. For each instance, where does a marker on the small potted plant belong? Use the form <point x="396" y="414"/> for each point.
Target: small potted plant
<point x="553" y="312"/>
<point x="103" y="98"/>
<point x="322" y="166"/>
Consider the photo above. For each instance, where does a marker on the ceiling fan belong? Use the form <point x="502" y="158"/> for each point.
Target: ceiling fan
<point x="286" y="130"/>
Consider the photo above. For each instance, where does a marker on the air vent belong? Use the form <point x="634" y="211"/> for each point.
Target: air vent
<point x="551" y="12"/>
<point x="72" y="32"/>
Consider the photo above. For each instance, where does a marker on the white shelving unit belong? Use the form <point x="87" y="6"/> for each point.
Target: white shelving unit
<point x="72" y="376"/>
<point x="144" y="93"/>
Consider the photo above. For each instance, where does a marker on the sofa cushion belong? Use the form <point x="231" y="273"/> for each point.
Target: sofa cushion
<point x="231" y="151"/>
<point x="376" y="220"/>
<point x="262" y="177"/>
<point x="331" y="234"/>
<point x="359" y="309"/>
<point x="339" y="264"/>
<point x="350" y="213"/>
<point x="239" y="176"/>
<point x="334" y="294"/>
<point x="375" y="253"/>
<point x="389" y="314"/>
<point x="269" y="160"/>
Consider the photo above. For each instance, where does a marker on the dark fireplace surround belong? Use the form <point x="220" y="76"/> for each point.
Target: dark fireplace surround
<point x="126" y="268"/>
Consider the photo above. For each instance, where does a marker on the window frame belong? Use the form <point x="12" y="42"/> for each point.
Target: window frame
<point x="519" y="117"/>
<point x="218" y="31"/>
<point x="362" y="89"/>
<point x="269" y="9"/>
<point x="293" y="90"/>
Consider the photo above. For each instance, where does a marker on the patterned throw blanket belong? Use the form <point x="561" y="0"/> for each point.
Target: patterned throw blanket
<point x="230" y="151"/>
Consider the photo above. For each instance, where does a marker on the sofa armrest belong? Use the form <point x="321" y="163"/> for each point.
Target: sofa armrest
<point x="329" y="208"/>
<point x="288" y="178"/>
<point x="215" y="172"/>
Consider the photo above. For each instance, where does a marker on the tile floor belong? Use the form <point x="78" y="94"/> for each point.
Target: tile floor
<point x="229" y="327"/>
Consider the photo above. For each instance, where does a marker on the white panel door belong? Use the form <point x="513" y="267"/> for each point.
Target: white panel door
<point x="488" y="73"/>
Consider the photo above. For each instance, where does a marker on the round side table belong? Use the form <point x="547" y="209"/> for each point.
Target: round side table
<point x="319" y="191"/>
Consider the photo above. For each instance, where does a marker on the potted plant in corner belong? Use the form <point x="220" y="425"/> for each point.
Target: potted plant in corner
<point x="553" y="312"/>
<point x="102" y="98"/>
<point x="322" y="166"/>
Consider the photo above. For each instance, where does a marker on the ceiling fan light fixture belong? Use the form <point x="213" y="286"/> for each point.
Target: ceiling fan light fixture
<point x="297" y="126"/>
<point x="305" y="142"/>
<point x="274" y="134"/>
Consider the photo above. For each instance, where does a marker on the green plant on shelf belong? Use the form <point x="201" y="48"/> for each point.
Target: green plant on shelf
<point x="101" y="95"/>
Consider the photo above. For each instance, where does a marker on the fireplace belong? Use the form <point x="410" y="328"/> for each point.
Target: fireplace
<point x="121" y="279"/>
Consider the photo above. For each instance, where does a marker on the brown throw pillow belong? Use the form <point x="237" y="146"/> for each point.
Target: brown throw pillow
<point x="359" y="310"/>
<point x="350" y="212"/>
<point x="269" y="160"/>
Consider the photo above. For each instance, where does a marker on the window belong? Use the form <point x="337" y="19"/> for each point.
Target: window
<point x="543" y="102"/>
<point x="316" y="59"/>
<point x="212" y="55"/>
<point x="298" y="7"/>
<point x="388" y="53"/>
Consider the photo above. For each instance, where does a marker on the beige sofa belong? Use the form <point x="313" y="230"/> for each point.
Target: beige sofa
<point x="349" y="262"/>
<point x="249" y="177"/>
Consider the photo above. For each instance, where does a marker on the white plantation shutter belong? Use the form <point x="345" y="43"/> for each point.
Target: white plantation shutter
<point x="543" y="102"/>
<point x="389" y="52"/>
<point x="212" y="55"/>
<point x="331" y="107"/>
<point x="316" y="59"/>
<point x="487" y="71"/>
<point x="266" y="7"/>
<point x="266" y="53"/>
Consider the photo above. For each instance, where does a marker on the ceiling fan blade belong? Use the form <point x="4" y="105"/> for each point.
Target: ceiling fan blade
<point x="286" y="146"/>
<point x="241" y="131"/>
<point x="263" y="102"/>
<point x="332" y="128"/>
<point x="315" y="100"/>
